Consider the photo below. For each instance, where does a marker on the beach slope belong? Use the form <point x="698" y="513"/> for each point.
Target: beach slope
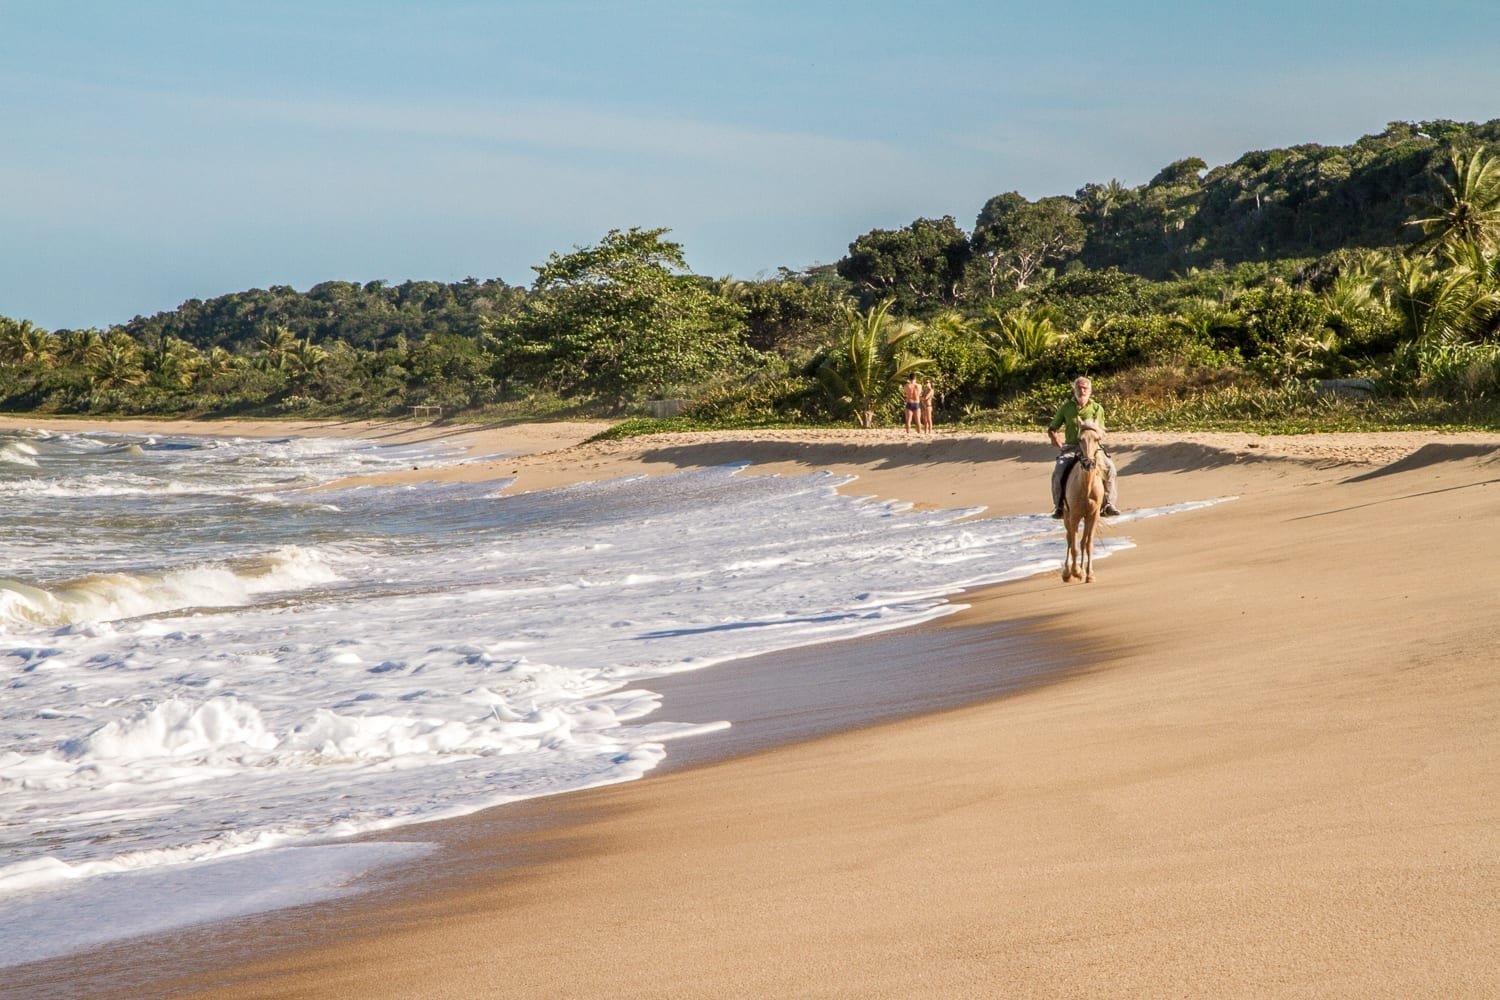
<point x="1271" y="770"/>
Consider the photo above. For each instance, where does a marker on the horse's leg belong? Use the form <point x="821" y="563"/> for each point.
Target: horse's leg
<point x="1070" y="523"/>
<point x="1073" y="512"/>
<point x="1087" y="554"/>
<point x="1084" y="565"/>
<point x="1075" y="548"/>
<point x="1072" y="526"/>
<point x="1090" y="521"/>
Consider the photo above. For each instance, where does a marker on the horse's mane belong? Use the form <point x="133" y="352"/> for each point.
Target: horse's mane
<point x="1089" y="425"/>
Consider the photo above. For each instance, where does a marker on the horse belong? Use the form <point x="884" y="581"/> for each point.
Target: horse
<point x="1083" y="497"/>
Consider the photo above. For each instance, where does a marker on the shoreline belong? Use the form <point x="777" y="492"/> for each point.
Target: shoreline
<point x="1262" y="760"/>
<point x="506" y="841"/>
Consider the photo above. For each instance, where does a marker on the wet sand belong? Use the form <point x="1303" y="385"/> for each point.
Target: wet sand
<point x="1264" y="762"/>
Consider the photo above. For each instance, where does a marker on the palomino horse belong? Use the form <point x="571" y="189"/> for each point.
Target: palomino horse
<point x="1083" y="497"/>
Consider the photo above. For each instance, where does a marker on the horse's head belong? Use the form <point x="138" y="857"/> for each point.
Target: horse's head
<point x="1090" y="440"/>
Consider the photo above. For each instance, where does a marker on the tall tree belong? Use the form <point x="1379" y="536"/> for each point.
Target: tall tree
<point x="1098" y="202"/>
<point x="789" y="316"/>
<point x="173" y="363"/>
<point x="78" y="346"/>
<point x="919" y="267"/>
<point x="217" y="362"/>
<point x="24" y="343"/>
<point x="1464" y="203"/>
<point x="625" y="319"/>
<point x="275" y="346"/>
<point x="1186" y="171"/>
<point x="305" y="360"/>
<point x="1014" y="238"/>
<point x="116" y="362"/>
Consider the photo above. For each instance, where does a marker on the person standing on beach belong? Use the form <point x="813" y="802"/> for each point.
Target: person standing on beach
<point x="929" y="395"/>
<point x="1080" y="407"/>
<point x="912" y="393"/>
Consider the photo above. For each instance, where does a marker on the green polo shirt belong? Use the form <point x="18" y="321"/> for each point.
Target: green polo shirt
<point x="1070" y="413"/>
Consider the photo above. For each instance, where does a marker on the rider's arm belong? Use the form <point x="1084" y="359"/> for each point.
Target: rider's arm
<point x="1056" y="425"/>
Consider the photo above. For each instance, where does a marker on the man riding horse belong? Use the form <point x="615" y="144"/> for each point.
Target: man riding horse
<point x="1079" y="408"/>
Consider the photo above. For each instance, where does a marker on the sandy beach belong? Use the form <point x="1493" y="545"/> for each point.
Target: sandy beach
<point x="1258" y="757"/>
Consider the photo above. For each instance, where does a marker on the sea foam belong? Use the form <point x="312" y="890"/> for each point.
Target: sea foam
<point x="215" y="662"/>
<point x="113" y="596"/>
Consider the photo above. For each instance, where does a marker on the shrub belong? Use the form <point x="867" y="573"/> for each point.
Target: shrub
<point x="1100" y="350"/>
<point x="1274" y="319"/>
<point x="961" y="364"/>
<point x="781" y="399"/>
<point x="1460" y="371"/>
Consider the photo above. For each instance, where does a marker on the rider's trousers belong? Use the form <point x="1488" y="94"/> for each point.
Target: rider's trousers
<point x="1060" y="467"/>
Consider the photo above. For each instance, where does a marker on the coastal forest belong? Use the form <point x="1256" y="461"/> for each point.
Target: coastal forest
<point x="1312" y="287"/>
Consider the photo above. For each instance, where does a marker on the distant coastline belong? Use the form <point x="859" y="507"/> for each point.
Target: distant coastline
<point x="1309" y="287"/>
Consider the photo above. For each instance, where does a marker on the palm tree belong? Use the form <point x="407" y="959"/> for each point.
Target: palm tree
<point x="1368" y="263"/>
<point x="174" y="362"/>
<point x="1463" y="208"/>
<point x="305" y="359"/>
<point x="1436" y="305"/>
<point x="1018" y="336"/>
<point x="78" y="346"/>
<point x="23" y="343"/>
<point x="116" y="362"/>
<point x="39" y="346"/>
<point x="731" y="289"/>
<point x="1351" y="303"/>
<point x="1100" y="201"/>
<point x="951" y="322"/>
<point x="1203" y="319"/>
<point x="274" y="344"/>
<point x="868" y="366"/>
<point x="219" y="361"/>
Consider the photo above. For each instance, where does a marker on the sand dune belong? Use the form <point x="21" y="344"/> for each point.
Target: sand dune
<point x="1267" y="766"/>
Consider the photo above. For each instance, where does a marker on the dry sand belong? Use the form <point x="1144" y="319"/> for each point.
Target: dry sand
<point x="1273" y="769"/>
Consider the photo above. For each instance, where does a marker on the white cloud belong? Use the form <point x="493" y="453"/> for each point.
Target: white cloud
<point x="548" y="126"/>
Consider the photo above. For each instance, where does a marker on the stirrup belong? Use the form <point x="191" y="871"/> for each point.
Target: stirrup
<point x="1110" y="510"/>
<point x="1057" y="512"/>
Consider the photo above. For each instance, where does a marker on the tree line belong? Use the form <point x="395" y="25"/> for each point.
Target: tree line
<point x="1229" y="291"/>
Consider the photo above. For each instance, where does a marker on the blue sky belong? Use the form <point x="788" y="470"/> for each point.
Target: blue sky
<point x="159" y="151"/>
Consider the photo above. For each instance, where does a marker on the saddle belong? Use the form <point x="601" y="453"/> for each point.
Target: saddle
<point x="1064" y="468"/>
<point x="1068" y="459"/>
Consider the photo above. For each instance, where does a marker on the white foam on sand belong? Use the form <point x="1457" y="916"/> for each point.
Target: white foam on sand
<point x="217" y="678"/>
<point x="119" y="906"/>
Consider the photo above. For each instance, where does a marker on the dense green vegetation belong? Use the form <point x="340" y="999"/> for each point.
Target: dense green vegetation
<point x="1301" y="288"/>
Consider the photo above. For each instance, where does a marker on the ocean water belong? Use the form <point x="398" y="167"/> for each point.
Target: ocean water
<point x="213" y="674"/>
